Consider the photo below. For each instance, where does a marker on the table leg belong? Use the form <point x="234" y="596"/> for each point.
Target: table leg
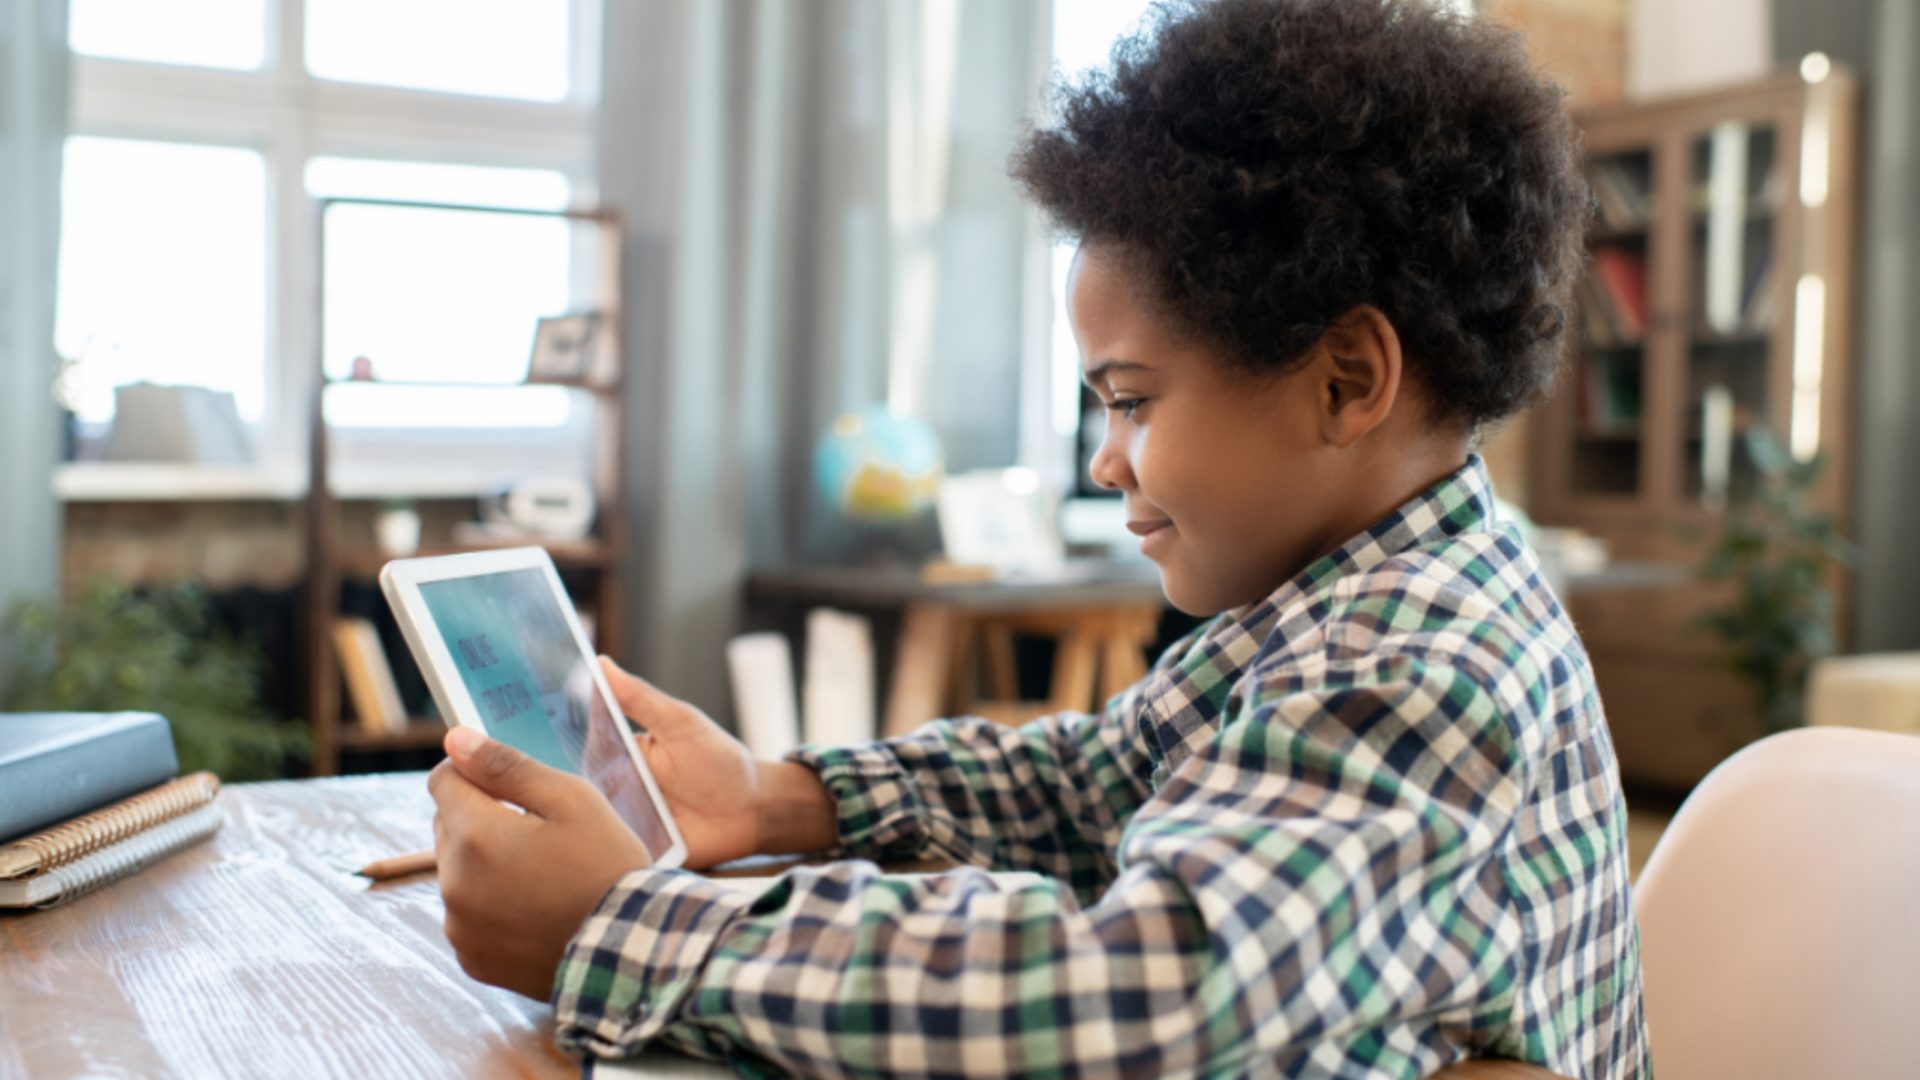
<point x="1073" y="671"/>
<point x="920" y="668"/>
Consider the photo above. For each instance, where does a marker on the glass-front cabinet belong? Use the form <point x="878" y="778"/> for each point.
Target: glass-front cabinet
<point x="1714" y="311"/>
<point x="1712" y="307"/>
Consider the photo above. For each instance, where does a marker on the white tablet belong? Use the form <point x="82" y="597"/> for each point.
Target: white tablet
<point x="497" y="639"/>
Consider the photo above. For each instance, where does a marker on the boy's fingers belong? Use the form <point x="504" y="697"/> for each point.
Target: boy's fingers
<point x="505" y="773"/>
<point x="638" y="698"/>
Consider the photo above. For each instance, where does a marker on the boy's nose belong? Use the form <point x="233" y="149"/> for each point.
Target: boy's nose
<point x="1109" y="468"/>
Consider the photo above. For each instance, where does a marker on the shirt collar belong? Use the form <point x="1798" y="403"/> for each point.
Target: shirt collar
<point x="1462" y="502"/>
<point x="1190" y="698"/>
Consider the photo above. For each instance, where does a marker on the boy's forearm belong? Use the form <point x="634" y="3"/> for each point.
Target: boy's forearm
<point x="797" y="814"/>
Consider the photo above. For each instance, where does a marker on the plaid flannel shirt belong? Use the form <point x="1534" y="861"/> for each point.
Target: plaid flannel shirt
<point x="1369" y="826"/>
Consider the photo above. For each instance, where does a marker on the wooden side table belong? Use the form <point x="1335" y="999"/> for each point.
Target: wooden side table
<point x="944" y="639"/>
<point x="945" y="651"/>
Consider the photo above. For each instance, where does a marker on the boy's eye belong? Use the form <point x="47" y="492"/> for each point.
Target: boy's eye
<point x="1126" y="405"/>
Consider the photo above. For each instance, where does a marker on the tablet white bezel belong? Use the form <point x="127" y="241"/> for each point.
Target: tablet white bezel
<point x="401" y="579"/>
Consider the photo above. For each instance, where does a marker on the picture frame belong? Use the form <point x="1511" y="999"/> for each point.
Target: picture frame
<point x="566" y="349"/>
<point x="1001" y="518"/>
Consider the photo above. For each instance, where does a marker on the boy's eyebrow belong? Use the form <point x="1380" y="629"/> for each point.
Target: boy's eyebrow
<point x="1099" y="372"/>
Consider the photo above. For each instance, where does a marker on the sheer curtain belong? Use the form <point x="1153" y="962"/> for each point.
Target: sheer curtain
<point x="33" y="118"/>
<point x="819" y="220"/>
<point x="1881" y="40"/>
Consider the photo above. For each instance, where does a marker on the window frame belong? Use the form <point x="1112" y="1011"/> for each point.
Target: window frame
<point x="290" y="117"/>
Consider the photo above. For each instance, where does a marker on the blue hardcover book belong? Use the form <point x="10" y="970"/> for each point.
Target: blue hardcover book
<point x="54" y="766"/>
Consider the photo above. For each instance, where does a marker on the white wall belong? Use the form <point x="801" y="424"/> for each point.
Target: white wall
<point x="1674" y="46"/>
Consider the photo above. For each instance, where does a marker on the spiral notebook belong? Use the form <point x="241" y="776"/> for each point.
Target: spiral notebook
<point x="68" y="860"/>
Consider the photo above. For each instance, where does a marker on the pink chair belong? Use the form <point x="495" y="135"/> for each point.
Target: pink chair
<point x="1780" y="914"/>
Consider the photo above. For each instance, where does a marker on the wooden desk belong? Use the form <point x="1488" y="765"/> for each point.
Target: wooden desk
<point x="259" y="953"/>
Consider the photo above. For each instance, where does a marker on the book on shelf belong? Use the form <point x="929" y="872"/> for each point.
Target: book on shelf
<point x="766" y="704"/>
<point x="369" y="677"/>
<point x="1625" y="199"/>
<point x="1609" y="397"/>
<point x="1598" y="324"/>
<point x="79" y="855"/>
<point x="836" y="692"/>
<point x="56" y="765"/>
<point x="1623" y="276"/>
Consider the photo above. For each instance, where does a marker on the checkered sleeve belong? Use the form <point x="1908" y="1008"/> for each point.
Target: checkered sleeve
<point x="1314" y="888"/>
<point x="1051" y="796"/>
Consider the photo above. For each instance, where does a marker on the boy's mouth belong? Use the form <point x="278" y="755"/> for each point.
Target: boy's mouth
<point x="1145" y="527"/>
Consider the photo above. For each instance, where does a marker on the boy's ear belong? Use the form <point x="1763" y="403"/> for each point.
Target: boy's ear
<point x="1357" y="372"/>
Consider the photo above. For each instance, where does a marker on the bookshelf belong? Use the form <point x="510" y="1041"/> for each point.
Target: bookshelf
<point x="343" y="560"/>
<point x="1718" y="297"/>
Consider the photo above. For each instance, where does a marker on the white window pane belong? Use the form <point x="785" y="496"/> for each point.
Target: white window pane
<point x="429" y="295"/>
<point x="162" y="270"/>
<point x="205" y="33"/>
<point x="438" y="295"/>
<point x="492" y="48"/>
<point x="1084" y="30"/>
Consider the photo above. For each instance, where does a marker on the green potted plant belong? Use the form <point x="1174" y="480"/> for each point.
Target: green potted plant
<point x="111" y="648"/>
<point x="1774" y="551"/>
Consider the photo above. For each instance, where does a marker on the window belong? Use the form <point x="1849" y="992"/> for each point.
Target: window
<point x="203" y="131"/>
<point x="186" y="304"/>
<point x="429" y="295"/>
<point x="204" y="33"/>
<point x="511" y="50"/>
<point x="1084" y="33"/>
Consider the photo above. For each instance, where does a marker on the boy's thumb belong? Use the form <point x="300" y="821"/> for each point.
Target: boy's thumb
<point x="505" y="773"/>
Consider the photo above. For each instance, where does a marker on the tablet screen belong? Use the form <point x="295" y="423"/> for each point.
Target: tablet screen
<point x="533" y="687"/>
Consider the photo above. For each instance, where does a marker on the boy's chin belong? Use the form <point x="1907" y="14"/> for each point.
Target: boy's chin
<point x="1192" y="597"/>
<point x="1203" y="596"/>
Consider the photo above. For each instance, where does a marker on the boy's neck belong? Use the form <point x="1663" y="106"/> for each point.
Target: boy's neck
<point x="1390" y="481"/>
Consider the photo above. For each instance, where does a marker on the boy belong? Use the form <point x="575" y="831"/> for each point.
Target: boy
<point x="1365" y="821"/>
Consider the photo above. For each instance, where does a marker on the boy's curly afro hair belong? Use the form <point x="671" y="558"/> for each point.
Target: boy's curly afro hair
<point x="1271" y="164"/>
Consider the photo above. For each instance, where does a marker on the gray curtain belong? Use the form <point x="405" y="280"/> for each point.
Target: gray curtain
<point x="33" y="119"/>
<point x="1880" y="39"/>
<point x="819" y="220"/>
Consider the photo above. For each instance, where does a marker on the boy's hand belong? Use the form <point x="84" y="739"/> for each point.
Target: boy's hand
<point x="727" y="803"/>
<point x="518" y="886"/>
<point x="710" y="780"/>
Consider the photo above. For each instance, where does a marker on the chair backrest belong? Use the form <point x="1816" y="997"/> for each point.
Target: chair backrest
<point x="1780" y="914"/>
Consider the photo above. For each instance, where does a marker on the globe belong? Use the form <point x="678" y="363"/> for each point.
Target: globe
<point x="877" y="466"/>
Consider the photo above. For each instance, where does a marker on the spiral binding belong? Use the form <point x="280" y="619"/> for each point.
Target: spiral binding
<point x="82" y="877"/>
<point x="89" y="833"/>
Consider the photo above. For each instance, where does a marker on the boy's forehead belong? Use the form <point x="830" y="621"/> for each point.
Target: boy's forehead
<point x="1107" y="322"/>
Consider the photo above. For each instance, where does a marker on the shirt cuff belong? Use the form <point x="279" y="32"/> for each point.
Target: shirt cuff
<point x="878" y="809"/>
<point x="636" y="958"/>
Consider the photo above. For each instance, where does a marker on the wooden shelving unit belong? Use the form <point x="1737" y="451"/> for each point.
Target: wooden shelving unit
<point x="1732" y="212"/>
<point x="596" y="563"/>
